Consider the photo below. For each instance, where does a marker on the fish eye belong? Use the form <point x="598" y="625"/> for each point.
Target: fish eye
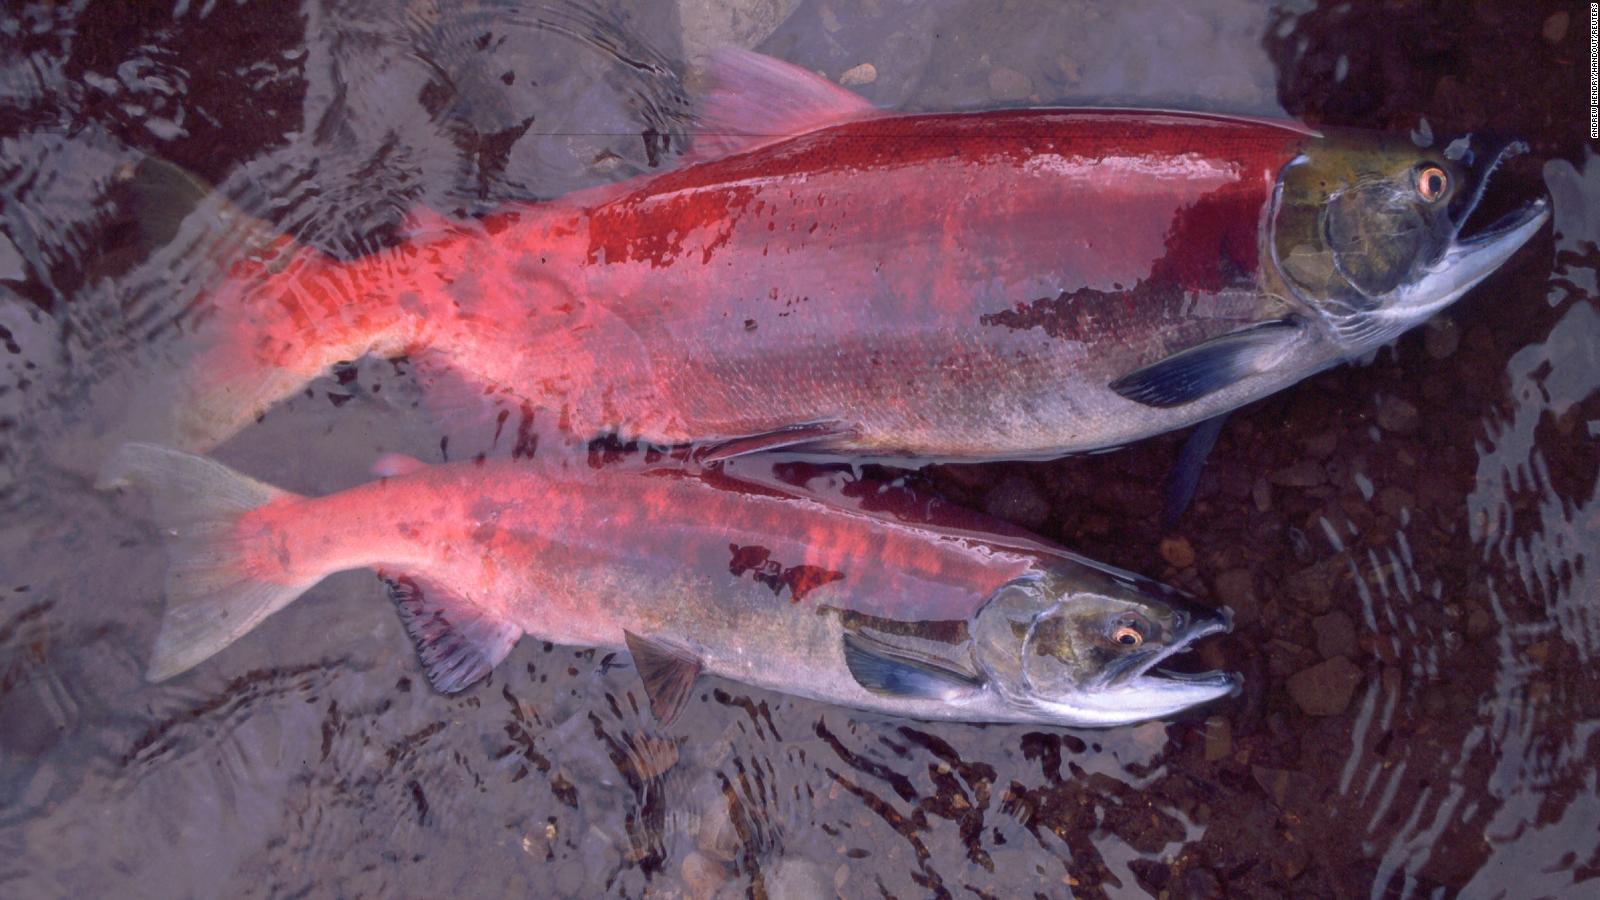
<point x="1129" y="631"/>
<point x="1432" y="182"/>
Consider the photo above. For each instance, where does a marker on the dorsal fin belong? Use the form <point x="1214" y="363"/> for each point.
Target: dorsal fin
<point x="457" y="642"/>
<point x="755" y="100"/>
<point x="667" y="672"/>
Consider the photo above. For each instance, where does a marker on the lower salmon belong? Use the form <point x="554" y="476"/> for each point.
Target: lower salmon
<point x="917" y="614"/>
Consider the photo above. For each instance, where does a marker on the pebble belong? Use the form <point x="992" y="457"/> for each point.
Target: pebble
<point x="1325" y="688"/>
<point x="1261" y="493"/>
<point x="702" y="875"/>
<point x="709" y="24"/>
<point x="1016" y="500"/>
<point x="1397" y="415"/>
<point x="1555" y="27"/>
<point x="1178" y="552"/>
<point x="1336" y="635"/>
<point x="866" y="73"/>
<point x="1219" y="738"/>
<point x="1303" y="474"/>
<point x="1313" y="588"/>
<point x="1441" y="337"/>
<point x="1237" y="589"/>
<point x="1009" y="84"/>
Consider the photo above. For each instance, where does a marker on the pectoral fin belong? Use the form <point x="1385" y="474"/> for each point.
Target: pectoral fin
<point x="668" y="674"/>
<point x="883" y="670"/>
<point x="791" y="437"/>
<point x="457" y="642"/>
<point x="1206" y="368"/>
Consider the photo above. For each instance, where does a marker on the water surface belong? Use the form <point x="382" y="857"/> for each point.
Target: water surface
<point x="1409" y="544"/>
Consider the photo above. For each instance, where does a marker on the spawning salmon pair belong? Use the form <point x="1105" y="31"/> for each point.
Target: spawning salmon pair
<point x="823" y="276"/>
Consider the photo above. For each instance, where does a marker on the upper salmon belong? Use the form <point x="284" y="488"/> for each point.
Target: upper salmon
<point x="1009" y="283"/>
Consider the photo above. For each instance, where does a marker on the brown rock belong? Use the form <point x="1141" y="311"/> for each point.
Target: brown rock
<point x="1305" y="473"/>
<point x="702" y="875"/>
<point x="1313" y="588"/>
<point x="1237" y="589"/>
<point x="1397" y="415"/>
<point x="866" y="73"/>
<point x="1325" y="688"/>
<point x="1555" y="27"/>
<point x="1336" y="635"/>
<point x="1219" y="738"/>
<point x="1441" y="337"/>
<point x="1008" y="84"/>
<point x="1261" y="493"/>
<point x="1178" y="552"/>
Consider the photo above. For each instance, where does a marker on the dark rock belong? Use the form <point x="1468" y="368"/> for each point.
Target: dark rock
<point x="1313" y="588"/>
<point x="1305" y="473"/>
<point x="1237" y="589"/>
<point x="1325" y="688"/>
<point x="1441" y="337"/>
<point x="1016" y="500"/>
<point x="1336" y="635"/>
<point x="1397" y="415"/>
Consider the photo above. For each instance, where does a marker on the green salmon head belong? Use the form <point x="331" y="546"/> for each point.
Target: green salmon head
<point x="1084" y="651"/>
<point x="1369" y="235"/>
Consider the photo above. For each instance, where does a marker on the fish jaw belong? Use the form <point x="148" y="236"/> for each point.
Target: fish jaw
<point x="1463" y="266"/>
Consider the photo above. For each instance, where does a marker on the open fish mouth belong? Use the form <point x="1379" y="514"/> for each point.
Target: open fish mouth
<point x="1141" y="669"/>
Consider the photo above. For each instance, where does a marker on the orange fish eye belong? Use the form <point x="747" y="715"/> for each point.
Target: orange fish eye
<point x="1432" y="182"/>
<point x="1127" y="636"/>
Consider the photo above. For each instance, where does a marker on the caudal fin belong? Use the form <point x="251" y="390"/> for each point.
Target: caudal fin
<point x="213" y="594"/>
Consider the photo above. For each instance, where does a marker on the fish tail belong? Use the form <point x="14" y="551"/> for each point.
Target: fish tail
<point x="265" y="316"/>
<point x="225" y="574"/>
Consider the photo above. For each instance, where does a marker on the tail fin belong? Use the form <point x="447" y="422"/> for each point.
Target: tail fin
<point x="259" y="314"/>
<point x="213" y="596"/>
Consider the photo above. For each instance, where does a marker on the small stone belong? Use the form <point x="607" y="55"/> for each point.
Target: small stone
<point x="1397" y="415"/>
<point x="1395" y="501"/>
<point x="1219" y="738"/>
<point x="866" y="73"/>
<point x="1016" y="500"/>
<point x="702" y="875"/>
<point x="1555" y="27"/>
<point x="1441" y="337"/>
<point x="830" y="19"/>
<point x="1071" y="70"/>
<point x="1323" y="445"/>
<point x="1237" y="589"/>
<point x="1336" y="635"/>
<point x="1303" y="474"/>
<point x="1261" y="494"/>
<point x="1009" y="84"/>
<point x="1539" y="652"/>
<point x="1313" y="588"/>
<point x="1479" y="623"/>
<point x="797" y="879"/>
<point x="1325" y="688"/>
<point x="1178" y="552"/>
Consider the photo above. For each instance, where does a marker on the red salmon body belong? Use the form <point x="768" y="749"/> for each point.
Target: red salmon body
<point x="917" y="611"/>
<point x="949" y="285"/>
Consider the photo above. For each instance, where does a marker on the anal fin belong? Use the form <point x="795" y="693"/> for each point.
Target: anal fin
<point x="668" y="674"/>
<point x="1209" y="367"/>
<point x="457" y="642"/>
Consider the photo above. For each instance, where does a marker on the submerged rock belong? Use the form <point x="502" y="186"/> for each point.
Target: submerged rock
<point x="1325" y="688"/>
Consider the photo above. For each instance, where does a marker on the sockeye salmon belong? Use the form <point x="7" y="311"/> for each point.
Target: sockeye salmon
<point x="1011" y="283"/>
<point x="902" y="614"/>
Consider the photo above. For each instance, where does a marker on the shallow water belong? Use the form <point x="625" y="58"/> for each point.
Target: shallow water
<point x="1409" y="545"/>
